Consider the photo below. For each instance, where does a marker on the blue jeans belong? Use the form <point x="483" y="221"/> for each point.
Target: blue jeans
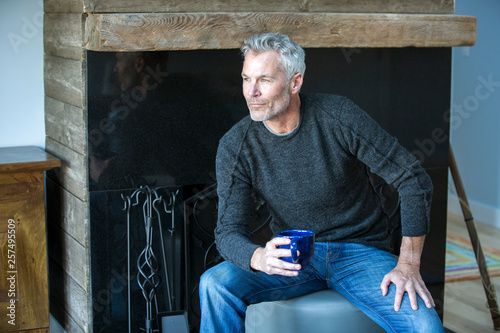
<point x="355" y="271"/>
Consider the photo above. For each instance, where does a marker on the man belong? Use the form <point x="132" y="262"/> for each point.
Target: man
<point x="308" y="157"/>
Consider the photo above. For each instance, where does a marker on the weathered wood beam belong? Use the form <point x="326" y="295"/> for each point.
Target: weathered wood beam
<point x="63" y="35"/>
<point x="68" y="254"/>
<point x="331" y="6"/>
<point x="73" y="173"/>
<point x="66" y="124"/>
<point x="63" y="6"/>
<point x="68" y="212"/>
<point x="149" y="32"/>
<point x="62" y="314"/>
<point x="74" y="298"/>
<point x="64" y="80"/>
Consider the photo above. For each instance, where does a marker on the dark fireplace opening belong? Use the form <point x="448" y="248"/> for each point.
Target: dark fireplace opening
<point x="187" y="235"/>
<point x="155" y="119"/>
<point x="155" y="124"/>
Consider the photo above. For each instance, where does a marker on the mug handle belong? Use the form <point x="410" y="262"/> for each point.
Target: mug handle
<point x="293" y="249"/>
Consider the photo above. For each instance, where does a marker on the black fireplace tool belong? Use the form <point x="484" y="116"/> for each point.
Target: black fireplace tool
<point x="148" y="276"/>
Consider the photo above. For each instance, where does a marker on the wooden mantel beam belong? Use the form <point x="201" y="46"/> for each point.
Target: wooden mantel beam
<point x="185" y="31"/>
<point x="278" y="6"/>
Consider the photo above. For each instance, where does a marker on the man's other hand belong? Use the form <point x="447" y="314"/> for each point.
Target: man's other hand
<point x="407" y="278"/>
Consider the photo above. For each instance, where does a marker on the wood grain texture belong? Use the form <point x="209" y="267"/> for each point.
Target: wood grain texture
<point x="58" y="311"/>
<point x="67" y="220"/>
<point x="23" y="237"/>
<point x="63" y="35"/>
<point x="66" y="124"/>
<point x="67" y="212"/>
<point x="63" y="6"/>
<point x="74" y="298"/>
<point x="334" y="6"/>
<point x="65" y="80"/>
<point x="68" y="254"/>
<point x="149" y="32"/>
<point x="73" y="173"/>
<point x="26" y="160"/>
<point x="23" y="177"/>
<point x="24" y="204"/>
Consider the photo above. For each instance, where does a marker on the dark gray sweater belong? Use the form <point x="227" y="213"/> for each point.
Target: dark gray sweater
<point x="315" y="178"/>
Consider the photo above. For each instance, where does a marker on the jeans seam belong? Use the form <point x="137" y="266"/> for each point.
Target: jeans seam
<point x="328" y="260"/>
<point x="369" y="307"/>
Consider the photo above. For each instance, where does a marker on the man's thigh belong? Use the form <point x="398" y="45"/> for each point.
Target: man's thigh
<point x="255" y="287"/>
<point x="359" y="271"/>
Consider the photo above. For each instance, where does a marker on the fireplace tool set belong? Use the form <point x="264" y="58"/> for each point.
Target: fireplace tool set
<point x="148" y="267"/>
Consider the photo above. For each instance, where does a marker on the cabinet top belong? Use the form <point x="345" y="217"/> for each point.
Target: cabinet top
<point x="26" y="159"/>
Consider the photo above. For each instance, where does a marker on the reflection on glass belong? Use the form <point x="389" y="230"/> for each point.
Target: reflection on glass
<point x="150" y="124"/>
<point x="155" y="118"/>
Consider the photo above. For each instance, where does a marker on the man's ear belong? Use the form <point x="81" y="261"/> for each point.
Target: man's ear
<point x="296" y="83"/>
<point x="139" y="64"/>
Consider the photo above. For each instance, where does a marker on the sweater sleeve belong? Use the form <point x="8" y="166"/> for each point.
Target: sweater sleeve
<point x="232" y="234"/>
<point x="385" y="157"/>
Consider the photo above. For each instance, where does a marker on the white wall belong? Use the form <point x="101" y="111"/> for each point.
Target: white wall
<point x="475" y="122"/>
<point x="21" y="73"/>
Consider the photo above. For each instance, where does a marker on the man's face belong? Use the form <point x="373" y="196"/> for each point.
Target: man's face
<point x="265" y="87"/>
<point x="126" y="71"/>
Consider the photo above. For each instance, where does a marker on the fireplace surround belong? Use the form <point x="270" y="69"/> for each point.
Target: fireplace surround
<point x="393" y="61"/>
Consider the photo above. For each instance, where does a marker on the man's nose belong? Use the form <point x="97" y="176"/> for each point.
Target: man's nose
<point x="254" y="90"/>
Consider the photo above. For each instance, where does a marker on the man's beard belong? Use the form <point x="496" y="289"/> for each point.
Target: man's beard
<point x="268" y="112"/>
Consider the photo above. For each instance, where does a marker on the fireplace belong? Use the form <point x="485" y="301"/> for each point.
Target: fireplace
<point x="166" y="137"/>
<point x="397" y="67"/>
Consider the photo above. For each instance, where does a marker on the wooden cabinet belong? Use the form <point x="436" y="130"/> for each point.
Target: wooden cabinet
<point x="24" y="301"/>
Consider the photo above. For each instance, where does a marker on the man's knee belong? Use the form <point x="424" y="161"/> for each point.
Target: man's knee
<point x="428" y="321"/>
<point x="214" y="278"/>
<point x="207" y="280"/>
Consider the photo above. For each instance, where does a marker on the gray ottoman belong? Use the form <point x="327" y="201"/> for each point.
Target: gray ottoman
<point x="321" y="311"/>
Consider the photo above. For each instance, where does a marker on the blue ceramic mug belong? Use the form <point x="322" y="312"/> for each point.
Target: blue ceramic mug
<point x="301" y="240"/>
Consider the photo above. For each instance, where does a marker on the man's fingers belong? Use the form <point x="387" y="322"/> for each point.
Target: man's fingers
<point x="426" y="296"/>
<point x="280" y="253"/>
<point x="407" y="283"/>
<point x="285" y="265"/>
<point x="276" y="241"/>
<point x="412" y="295"/>
<point x="399" y="297"/>
<point x="280" y="267"/>
<point x="284" y="272"/>
<point x="386" y="282"/>
<point x="271" y="262"/>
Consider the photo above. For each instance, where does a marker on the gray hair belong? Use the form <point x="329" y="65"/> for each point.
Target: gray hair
<point x="292" y="55"/>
